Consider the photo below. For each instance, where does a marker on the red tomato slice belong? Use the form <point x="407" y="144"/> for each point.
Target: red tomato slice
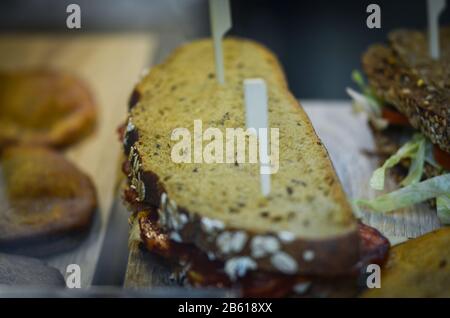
<point x="394" y="117"/>
<point x="441" y="157"/>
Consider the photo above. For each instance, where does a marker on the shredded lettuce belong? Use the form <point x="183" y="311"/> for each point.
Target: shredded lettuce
<point x="417" y="162"/>
<point x="443" y="208"/>
<point x="436" y="187"/>
<point x="413" y="191"/>
<point x="366" y="101"/>
<point x="366" y="98"/>
<point x="358" y="78"/>
<point x="418" y="150"/>
<point x="409" y="150"/>
<point x="363" y="104"/>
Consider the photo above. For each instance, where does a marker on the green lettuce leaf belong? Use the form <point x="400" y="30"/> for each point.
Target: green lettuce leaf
<point x="358" y="78"/>
<point x="443" y="208"/>
<point x="366" y="101"/>
<point x="436" y="187"/>
<point x="362" y="104"/>
<point x="408" y="151"/>
<point x="417" y="163"/>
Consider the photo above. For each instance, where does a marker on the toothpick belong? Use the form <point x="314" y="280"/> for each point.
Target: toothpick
<point x="256" y="115"/>
<point x="220" y="19"/>
<point x="435" y="8"/>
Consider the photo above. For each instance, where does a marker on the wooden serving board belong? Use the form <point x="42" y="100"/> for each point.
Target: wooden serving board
<point x="346" y="136"/>
<point x="111" y="65"/>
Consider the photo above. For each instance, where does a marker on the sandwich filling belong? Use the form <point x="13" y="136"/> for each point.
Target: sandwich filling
<point x="407" y="104"/>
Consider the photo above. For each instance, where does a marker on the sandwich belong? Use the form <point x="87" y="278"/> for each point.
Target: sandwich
<point x="210" y="220"/>
<point x="407" y="99"/>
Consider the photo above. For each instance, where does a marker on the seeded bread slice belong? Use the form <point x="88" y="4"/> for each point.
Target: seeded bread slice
<point x="305" y="225"/>
<point x="426" y="105"/>
<point x="412" y="48"/>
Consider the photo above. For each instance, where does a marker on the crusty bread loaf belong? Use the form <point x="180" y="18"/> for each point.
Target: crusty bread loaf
<point x="405" y="76"/>
<point x="305" y="225"/>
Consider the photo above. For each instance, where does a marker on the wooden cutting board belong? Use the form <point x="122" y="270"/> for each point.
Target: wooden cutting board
<point x="111" y="65"/>
<point x="346" y="137"/>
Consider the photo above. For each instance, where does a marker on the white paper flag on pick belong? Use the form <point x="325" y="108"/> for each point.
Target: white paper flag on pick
<point x="435" y="8"/>
<point x="256" y="115"/>
<point x="220" y="19"/>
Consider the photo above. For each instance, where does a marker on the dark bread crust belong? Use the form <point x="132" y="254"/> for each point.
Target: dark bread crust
<point x="204" y="272"/>
<point x="427" y="107"/>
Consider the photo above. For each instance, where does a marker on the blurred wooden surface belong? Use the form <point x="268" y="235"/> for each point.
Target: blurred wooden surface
<point x="146" y="269"/>
<point x="110" y="64"/>
<point x="346" y="136"/>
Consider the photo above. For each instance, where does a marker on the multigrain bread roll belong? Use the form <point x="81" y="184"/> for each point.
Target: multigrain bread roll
<point x="47" y="204"/>
<point x="44" y="107"/>
<point x="304" y="226"/>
